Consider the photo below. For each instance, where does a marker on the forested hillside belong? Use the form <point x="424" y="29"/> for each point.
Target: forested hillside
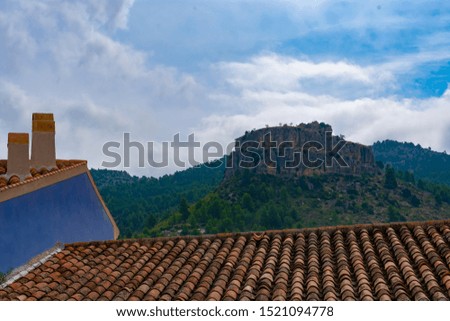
<point x="137" y="204"/>
<point x="423" y="162"/>
<point x="253" y="202"/>
<point x="105" y="178"/>
<point x="194" y="200"/>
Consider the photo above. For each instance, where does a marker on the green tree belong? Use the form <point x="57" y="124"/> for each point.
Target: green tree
<point x="414" y="201"/>
<point x="421" y="184"/>
<point x="150" y="221"/>
<point x="284" y="195"/>
<point x="247" y="202"/>
<point x="184" y="209"/>
<point x="390" y="182"/>
<point x="214" y="207"/>
<point x="394" y="215"/>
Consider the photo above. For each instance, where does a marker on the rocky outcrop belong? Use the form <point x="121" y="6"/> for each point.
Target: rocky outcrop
<point x="293" y="151"/>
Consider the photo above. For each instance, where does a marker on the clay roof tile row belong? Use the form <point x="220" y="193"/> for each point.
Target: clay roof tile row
<point x="35" y="174"/>
<point x="409" y="261"/>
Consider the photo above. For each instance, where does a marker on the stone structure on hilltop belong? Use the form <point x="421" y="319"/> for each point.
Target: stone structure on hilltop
<point x="303" y="150"/>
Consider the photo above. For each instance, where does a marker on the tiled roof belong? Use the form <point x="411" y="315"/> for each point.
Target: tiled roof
<point x="35" y="174"/>
<point x="404" y="261"/>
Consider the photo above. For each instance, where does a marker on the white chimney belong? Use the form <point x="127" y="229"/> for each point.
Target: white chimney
<point x="18" y="155"/>
<point x="43" y="154"/>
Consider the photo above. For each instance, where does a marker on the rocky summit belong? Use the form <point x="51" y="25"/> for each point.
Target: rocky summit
<point x="302" y="150"/>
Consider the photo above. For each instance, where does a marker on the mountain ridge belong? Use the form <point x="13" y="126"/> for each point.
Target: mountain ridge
<point x="173" y="205"/>
<point x="423" y="162"/>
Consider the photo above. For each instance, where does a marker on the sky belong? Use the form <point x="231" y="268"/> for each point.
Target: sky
<point x="374" y="70"/>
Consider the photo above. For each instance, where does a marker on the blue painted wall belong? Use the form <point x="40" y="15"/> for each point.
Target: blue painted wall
<point x="66" y="212"/>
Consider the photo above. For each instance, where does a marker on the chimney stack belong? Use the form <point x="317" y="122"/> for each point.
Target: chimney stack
<point x="43" y="154"/>
<point x="18" y="155"/>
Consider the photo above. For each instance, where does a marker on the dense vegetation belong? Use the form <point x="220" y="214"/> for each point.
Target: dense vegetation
<point x="194" y="201"/>
<point x="249" y="202"/>
<point x="137" y="204"/>
<point x="106" y="178"/>
<point x="423" y="162"/>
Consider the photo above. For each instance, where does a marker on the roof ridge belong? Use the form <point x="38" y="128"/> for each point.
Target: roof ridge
<point x="380" y="262"/>
<point x="38" y="260"/>
<point x="50" y="173"/>
<point x="258" y="234"/>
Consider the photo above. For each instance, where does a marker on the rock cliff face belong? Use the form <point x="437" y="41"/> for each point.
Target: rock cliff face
<point x="293" y="151"/>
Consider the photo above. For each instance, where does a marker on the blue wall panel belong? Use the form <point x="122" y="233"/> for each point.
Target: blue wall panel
<point x="66" y="212"/>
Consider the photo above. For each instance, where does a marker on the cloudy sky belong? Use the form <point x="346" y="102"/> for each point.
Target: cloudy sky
<point x="374" y="70"/>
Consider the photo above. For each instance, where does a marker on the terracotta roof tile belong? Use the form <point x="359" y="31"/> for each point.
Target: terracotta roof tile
<point x="35" y="174"/>
<point x="408" y="261"/>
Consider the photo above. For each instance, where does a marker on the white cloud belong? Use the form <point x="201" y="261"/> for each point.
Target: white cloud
<point x="284" y="74"/>
<point x="66" y="57"/>
<point x="197" y="31"/>
<point x="112" y="13"/>
<point x="60" y="57"/>
<point x="266" y="97"/>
